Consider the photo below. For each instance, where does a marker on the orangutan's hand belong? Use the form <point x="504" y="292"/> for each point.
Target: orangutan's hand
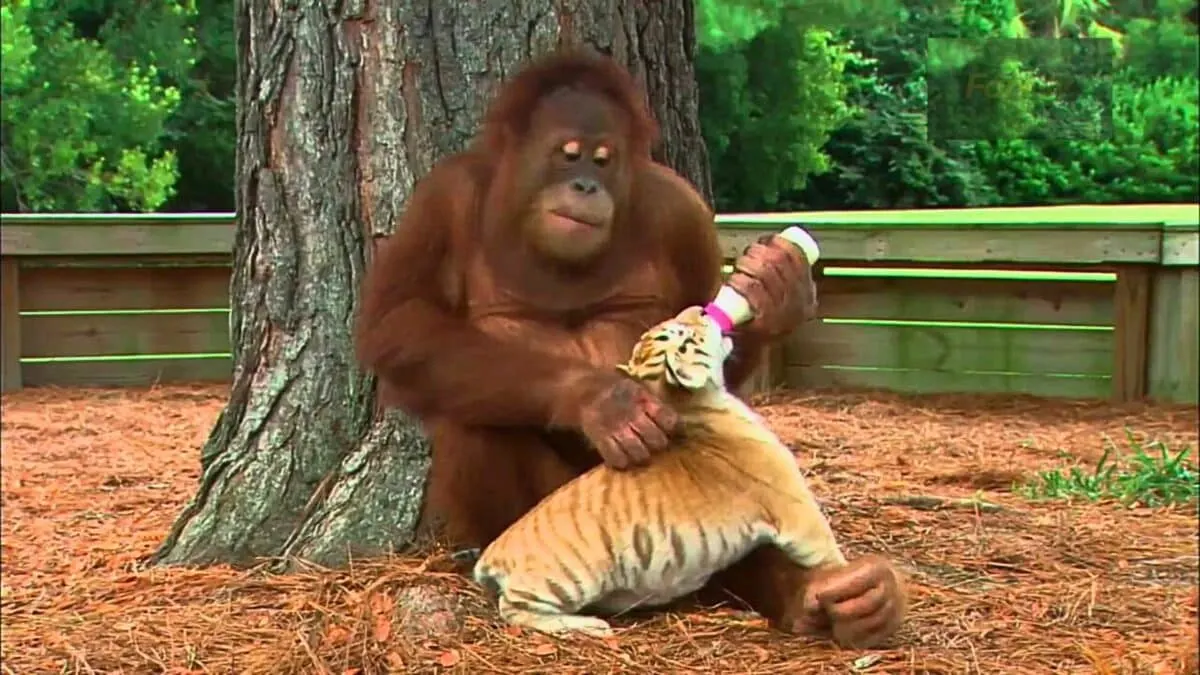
<point x="624" y="421"/>
<point x="861" y="604"/>
<point x="777" y="282"/>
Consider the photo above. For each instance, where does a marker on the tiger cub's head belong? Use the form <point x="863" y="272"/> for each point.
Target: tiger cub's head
<point x="684" y="353"/>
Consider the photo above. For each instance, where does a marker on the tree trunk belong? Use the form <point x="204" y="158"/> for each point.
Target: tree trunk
<point x="341" y="106"/>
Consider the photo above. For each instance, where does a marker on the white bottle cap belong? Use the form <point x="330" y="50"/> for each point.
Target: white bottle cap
<point x="802" y="239"/>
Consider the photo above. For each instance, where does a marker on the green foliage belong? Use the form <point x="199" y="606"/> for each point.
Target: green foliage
<point x="773" y="88"/>
<point x="725" y="23"/>
<point x="202" y="132"/>
<point x="1041" y="132"/>
<point x="975" y="90"/>
<point x="832" y="104"/>
<point x="1152" y="475"/>
<point x="886" y="155"/>
<point x="770" y="106"/>
<point x="882" y="158"/>
<point x="1022" y="172"/>
<point x="81" y="127"/>
<point x="1158" y="44"/>
<point x="1153" y="154"/>
<point x="721" y="24"/>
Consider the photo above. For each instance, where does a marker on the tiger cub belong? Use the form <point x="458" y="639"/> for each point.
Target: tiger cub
<point x="609" y="541"/>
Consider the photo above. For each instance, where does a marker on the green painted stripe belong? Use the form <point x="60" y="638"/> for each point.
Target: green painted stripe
<point x="967" y="324"/>
<point x="93" y="312"/>
<point x="126" y="357"/>
<point x="227" y="218"/>
<point x="944" y="273"/>
<point x="1076" y="216"/>
<point x="1065" y="376"/>
<point x="954" y="273"/>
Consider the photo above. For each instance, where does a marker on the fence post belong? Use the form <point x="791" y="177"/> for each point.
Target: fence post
<point x="1174" y="368"/>
<point x="10" y="325"/>
<point x="1132" y="325"/>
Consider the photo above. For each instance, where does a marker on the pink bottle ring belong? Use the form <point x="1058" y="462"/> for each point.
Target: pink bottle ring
<point x="718" y="315"/>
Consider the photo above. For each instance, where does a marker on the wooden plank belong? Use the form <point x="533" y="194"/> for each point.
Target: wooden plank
<point x="931" y="382"/>
<point x="82" y="288"/>
<point x="1067" y="235"/>
<point x="1072" y="303"/>
<point x="124" y="334"/>
<point x="1132" y="304"/>
<point x="1181" y="245"/>
<point x="840" y="244"/>
<point x="965" y="270"/>
<point x="122" y="261"/>
<point x="220" y="218"/>
<point x="1087" y="216"/>
<point x="116" y="239"/>
<point x="1174" y="353"/>
<point x="952" y="349"/>
<point x="1064" y="216"/>
<point x="10" y="325"/>
<point x="990" y="271"/>
<point x="128" y="373"/>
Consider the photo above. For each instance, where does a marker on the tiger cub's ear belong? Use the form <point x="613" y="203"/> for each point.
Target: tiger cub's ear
<point x="692" y="314"/>
<point x="638" y="366"/>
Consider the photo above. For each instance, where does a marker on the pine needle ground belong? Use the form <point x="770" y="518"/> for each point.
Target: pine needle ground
<point x="1007" y="576"/>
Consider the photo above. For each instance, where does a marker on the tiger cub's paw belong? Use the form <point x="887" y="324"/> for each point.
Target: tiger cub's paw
<point x="588" y="625"/>
<point x="562" y="624"/>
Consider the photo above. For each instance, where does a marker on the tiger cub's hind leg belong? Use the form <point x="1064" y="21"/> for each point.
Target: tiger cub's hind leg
<point x="803" y="532"/>
<point x="542" y="614"/>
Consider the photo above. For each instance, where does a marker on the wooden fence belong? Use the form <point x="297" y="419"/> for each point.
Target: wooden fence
<point x="1079" y="301"/>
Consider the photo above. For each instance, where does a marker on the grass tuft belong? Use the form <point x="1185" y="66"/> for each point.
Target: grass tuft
<point x="1151" y="474"/>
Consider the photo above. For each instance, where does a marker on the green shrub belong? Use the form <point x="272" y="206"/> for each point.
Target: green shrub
<point x="767" y="110"/>
<point x="1153" y="154"/>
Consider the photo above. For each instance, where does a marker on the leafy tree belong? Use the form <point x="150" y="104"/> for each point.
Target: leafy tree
<point x="1153" y="154"/>
<point x="885" y="156"/>
<point x="1150" y="153"/>
<point x="768" y="110"/>
<point x="1161" y="48"/>
<point x="771" y="75"/>
<point x="82" y="123"/>
<point x="195" y="53"/>
<point x="202" y="132"/>
<point x="121" y="105"/>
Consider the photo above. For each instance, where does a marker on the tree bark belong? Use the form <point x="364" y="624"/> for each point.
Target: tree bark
<point x="341" y="106"/>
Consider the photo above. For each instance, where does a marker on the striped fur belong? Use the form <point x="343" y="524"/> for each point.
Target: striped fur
<point x="610" y="541"/>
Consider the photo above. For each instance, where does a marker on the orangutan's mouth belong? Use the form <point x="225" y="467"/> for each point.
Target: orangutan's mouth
<point x="572" y="220"/>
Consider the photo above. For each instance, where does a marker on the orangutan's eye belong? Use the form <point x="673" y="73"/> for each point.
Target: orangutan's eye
<point x="571" y="150"/>
<point x="601" y="155"/>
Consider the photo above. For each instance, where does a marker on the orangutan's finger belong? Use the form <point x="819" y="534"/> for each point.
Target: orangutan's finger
<point x="852" y="581"/>
<point x="859" y="606"/>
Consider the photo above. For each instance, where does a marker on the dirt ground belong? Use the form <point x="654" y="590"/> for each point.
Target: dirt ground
<point x="91" y="479"/>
